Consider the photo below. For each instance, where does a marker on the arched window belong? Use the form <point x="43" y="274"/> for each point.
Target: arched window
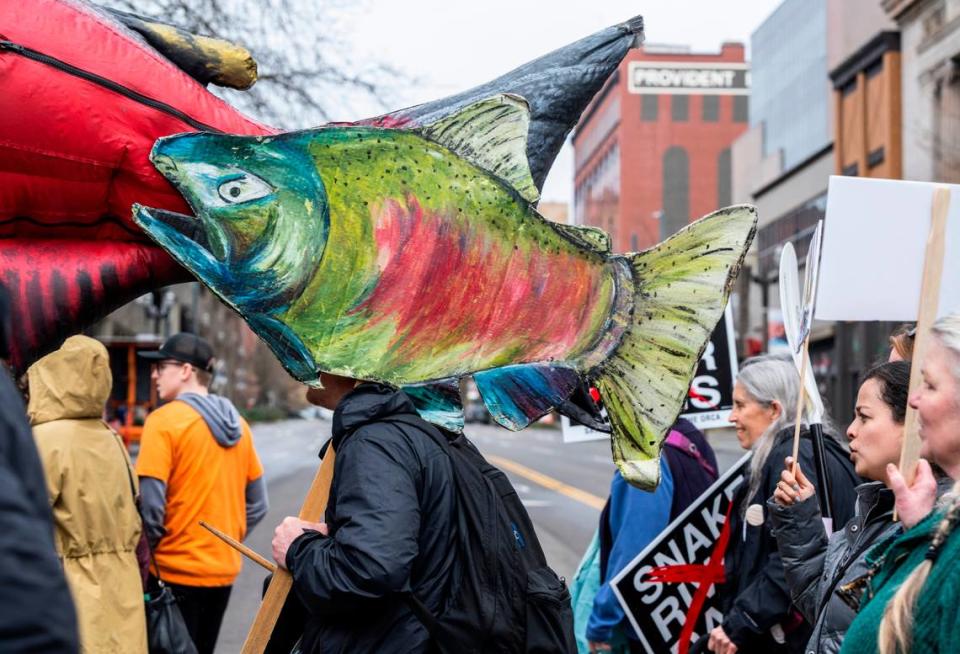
<point x="676" y="191"/>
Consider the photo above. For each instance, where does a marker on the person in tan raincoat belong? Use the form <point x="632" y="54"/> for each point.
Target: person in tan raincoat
<point x="89" y="479"/>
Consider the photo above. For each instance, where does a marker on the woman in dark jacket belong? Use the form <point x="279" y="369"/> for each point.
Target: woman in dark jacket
<point x="819" y="571"/>
<point x="758" y="613"/>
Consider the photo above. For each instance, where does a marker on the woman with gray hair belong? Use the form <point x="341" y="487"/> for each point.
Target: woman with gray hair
<point x="758" y="613"/>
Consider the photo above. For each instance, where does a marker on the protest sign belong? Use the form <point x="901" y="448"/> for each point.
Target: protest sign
<point x="677" y="603"/>
<point x="711" y="391"/>
<point x="873" y="250"/>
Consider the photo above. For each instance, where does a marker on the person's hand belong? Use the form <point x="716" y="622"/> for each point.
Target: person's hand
<point x="719" y="643"/>
<point x="597" y="646"/>
<point x="287" y="531"/>
<point x="915" y="501"/>
<point x="790" y="488"/>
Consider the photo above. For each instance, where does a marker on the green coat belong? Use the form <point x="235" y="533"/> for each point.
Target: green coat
<point x="936" y="617"/>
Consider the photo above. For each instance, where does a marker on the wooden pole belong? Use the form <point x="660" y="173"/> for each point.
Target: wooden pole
<point x="926" y="315"/>
<point x="312" y="510"/>
<point x="240" y="547"/>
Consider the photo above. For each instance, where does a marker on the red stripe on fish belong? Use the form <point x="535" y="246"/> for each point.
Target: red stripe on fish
<point x="444" y="280"/>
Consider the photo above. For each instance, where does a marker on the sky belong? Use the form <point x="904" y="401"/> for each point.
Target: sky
<point x="451" y="45"/>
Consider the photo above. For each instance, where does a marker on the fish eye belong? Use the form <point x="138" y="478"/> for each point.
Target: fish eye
<point x="244" y="188"/>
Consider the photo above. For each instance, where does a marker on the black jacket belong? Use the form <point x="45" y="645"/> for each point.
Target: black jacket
<point x="755" y="596"/>
<point x="391" y="517"/>
<point x="36" y="612"/>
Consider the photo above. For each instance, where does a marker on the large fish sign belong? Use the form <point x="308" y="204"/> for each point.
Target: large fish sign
<point x="416" y="257"/>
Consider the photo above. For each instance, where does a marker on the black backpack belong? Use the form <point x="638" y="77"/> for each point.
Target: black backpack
<point x="506" y="598"/>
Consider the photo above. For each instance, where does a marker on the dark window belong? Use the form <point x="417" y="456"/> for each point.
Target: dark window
<point x="852" y="170"/>
<point x="648" y="107"/>
<point x="680" y="108"/>
<point x="724" y="181"/>
<point x="676" y="191"/>
<point x="875" y="158"/>
<point x="711" y="108"/>
<point x="849" y="87"/>
<point x="741" y="110"/>
<point x="634" y="243"/>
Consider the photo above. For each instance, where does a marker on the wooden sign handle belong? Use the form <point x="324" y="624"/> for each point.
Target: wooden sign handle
<point x="312" y="510"/>
<point x="800" y="395"/>
<point x="926" y="315"/>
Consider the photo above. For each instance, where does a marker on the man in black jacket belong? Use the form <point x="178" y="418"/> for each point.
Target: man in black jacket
<point x="36" y="611"/>
<point x="388" y="530"/>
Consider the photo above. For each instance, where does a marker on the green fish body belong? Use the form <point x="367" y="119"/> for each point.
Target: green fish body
<point x="415" y="258"/>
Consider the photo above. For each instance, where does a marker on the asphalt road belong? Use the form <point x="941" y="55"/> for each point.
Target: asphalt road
<point x="563" y="486"/>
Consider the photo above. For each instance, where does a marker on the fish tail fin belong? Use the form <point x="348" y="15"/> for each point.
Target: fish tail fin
<point x="680" y="291"/>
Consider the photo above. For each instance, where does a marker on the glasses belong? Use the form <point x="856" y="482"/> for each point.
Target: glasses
<point x="163" y="364"/>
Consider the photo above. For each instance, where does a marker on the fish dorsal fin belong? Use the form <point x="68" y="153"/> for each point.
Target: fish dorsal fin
<point x="593" y="238"/>
<point x="492" y="134"/>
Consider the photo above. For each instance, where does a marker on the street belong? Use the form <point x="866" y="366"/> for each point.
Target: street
<point x="563" y="486"/>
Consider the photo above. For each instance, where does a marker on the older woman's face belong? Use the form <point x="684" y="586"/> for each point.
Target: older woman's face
<point x="937" y="402"/>
<point x="749" y="417"/>
<point x="875" y="437"/>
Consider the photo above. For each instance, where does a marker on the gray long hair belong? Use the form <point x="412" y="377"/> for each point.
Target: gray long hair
<point x="768" y="379"/>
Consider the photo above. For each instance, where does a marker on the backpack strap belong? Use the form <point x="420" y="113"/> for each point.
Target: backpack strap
<point x="678" y="441"/>
<point x="419" y="609"/>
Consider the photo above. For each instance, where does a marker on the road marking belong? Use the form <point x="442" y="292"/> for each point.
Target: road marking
<point x="536" y="503"/>
<point x="549" y="483"/>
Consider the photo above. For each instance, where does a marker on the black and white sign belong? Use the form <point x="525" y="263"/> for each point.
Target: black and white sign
<point x="711" y="392"/>
<point x="701" y="78"/>
<point x="659" y="611"/>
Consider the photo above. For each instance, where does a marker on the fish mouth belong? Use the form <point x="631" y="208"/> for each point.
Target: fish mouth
<point x="183" y="236"/>
<point x="186" y="225"/>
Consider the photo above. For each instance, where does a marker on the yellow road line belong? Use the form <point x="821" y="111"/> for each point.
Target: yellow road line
<point x="549" y="483"/>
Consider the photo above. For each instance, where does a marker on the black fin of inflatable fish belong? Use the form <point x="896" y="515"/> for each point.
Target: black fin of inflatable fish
<point x="558" y="87"/>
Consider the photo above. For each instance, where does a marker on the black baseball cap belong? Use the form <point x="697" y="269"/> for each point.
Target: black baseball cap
<point x="188" y="348"/>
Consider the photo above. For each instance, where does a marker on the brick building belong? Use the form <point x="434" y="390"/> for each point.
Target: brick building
<point x="652" y="151"/>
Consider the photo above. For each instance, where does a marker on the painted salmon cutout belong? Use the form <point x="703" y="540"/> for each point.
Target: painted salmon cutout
<point x="416" y="257"/>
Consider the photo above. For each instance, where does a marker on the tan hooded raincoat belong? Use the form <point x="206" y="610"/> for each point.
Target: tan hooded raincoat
<point x="88" y="478"/>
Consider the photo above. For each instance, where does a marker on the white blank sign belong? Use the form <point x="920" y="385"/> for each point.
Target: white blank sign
<point x="873" y="248"/>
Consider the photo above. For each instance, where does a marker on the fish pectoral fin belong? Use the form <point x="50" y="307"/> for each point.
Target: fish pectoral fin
<point x="285" y="344"/>
<point x="591" y="238"/>
<point x="680" y="291"/>
<point x="492" y="134"/>
<point x="438" y="403"/>
<point x="515" y="396"/>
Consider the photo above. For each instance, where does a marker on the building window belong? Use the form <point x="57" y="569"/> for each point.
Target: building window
<point x="711" y="108"/>
<point x="676" y="191"/>
<point x="724" y="179"/>
<point x="851" y="170"/>
<point x="648" y="107"/>
<point x="875" y="158"/>
<point x="634" y="243"/>
<point x="741" y="111"/>
<point x="680" y="108"/>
